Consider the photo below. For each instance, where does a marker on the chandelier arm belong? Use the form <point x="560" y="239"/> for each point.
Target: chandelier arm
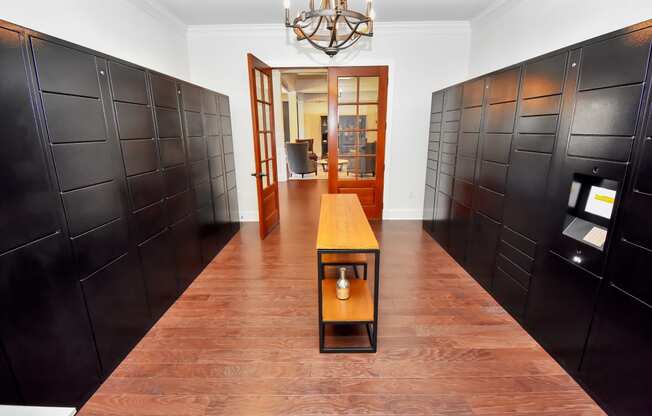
<point x="353" y="42"/>
<point x="334" y="32"/>
<point x="348" y="23"/>
<point x="321" y="18"/>
<point x="353" y="33"/>
<point x="312" y="42"/>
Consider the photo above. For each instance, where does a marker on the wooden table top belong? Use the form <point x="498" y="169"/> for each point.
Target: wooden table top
<point x="343" y="224"/>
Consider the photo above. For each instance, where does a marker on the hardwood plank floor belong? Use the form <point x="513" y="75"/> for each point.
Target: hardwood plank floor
<point x="243" y="339"/>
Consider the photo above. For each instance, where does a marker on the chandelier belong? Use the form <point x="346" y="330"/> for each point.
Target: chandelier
<point x="331" y="27"/>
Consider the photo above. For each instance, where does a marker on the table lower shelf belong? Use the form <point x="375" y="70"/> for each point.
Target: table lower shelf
<point x="358" y="308"/>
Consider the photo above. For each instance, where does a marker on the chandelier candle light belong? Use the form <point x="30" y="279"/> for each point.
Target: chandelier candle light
<point x="331" y="27"/>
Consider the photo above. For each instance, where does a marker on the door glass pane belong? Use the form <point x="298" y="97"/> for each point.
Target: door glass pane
<point x="347" y="89"/>
<point x="261" y="139"/>
<point x="261" y="117"/>
<point x="263" y="170"/>
<point x="258" y="84"/>
<point x="368" y="116"/>
<point x="347" y="117"/>
<point x="368" y="90"/>
<point x="268" y="125"/>
<point x="347" y="144"/>
<point x="357" y="127"/>
<point x="269" y="146"/>
<point x="367" y="152"/>
<point x="266" y="88"/>
<point x="272" y="178"/>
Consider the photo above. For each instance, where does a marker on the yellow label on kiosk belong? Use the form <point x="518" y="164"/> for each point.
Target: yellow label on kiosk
<point x="605" y="198"/>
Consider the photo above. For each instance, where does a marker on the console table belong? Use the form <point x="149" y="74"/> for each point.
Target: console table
<point x="344" y="236"/>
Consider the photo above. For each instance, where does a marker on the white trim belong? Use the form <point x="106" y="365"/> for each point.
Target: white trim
<point x="6" y="410"/>
<point x="402" y="214"/>
<point x="249" y="216"/>
<point x="490" y="9"/>
<point x="158" y="11"/>
<point x="278" y="29"/>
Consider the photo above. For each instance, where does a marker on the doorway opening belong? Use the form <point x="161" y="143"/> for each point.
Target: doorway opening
<point x="330" y="123"/>
<point x="304" y="111"/>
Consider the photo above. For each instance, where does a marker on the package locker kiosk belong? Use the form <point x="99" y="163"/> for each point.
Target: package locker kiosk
<point x="547" y="203"/>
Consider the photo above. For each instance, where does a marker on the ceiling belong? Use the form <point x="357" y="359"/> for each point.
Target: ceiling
<point x="207" y="12"/>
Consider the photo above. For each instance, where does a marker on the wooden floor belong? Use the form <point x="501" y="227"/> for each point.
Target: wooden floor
<point x="243" y="339"/>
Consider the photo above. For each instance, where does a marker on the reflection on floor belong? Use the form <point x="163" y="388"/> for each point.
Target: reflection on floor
<point x="243" y="339"/>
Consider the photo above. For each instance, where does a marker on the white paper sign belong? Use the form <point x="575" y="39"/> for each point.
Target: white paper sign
<point x="601" y="201"/>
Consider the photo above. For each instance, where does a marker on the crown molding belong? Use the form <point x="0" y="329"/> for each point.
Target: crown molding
<point x="498" y="4"/>
<point x="158" y="11"/>
<point x="279" y="29"/>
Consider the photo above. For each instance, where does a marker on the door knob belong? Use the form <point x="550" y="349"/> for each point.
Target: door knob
<point x="260" y="175"/>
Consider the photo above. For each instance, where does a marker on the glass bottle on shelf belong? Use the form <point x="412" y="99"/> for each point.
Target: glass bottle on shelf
<point x="343" y="285"/>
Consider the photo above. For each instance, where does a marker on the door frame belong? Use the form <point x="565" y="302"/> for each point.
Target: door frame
<point x="332" y="162"/>
<point x="378" y="182"/>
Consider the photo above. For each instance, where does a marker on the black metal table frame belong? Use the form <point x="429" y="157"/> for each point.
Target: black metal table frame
<point x="371" y="326"/>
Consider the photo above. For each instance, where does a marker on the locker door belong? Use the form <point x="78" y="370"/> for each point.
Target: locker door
<point x="91" y="163"/>
<point x="44" y="329"/>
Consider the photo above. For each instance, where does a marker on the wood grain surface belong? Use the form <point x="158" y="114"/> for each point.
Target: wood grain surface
<point x="343" y="224"/>
<point x="243" y="339"/>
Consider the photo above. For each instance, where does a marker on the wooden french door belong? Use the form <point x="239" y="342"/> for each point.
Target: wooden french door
<point x="262" y="110"/>
<point x="357" y="110"/>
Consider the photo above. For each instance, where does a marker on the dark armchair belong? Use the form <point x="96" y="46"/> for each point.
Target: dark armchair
<point x="311" y="152"/>
<point x="299" y="160"/>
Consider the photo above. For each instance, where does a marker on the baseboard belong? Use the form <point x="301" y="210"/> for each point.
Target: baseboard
<point x="402" y="214"/>
<point x="248" y="216"/>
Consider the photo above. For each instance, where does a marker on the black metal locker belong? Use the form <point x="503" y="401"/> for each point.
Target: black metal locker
<point x="40" y="299"/>
<point x="490" y="171"/>
<point x="181" y="235"/>
<point x="432" y="161"/>
<point x="90" y="172"/>
<point x="452" y="103"/>
<point x="107" y="135"/>
<point x="618" y="359"/>
<point x="44" y="326"/>
<point x="605" y="104"/>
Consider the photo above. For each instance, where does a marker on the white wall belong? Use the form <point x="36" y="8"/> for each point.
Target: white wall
<point x="422" y="57"/>
<point x="521" y="29"/>
<point x="134" y="30"/>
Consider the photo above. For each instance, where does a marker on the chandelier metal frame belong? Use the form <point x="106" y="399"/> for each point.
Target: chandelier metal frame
<point x="331" y="28"/>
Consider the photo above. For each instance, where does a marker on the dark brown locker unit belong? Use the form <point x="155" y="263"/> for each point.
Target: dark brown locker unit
<point x="584" y="197"/>
<point x="537" y="122"/>
<point x="177" y="212"/>
<point x="618" y="360"/>
<point x="41" y="302"/>
<point x="229" y="163"/>
<point x="99" y="234"/>
<point x="567" y="216"/>
<point x="446" y="166"/>
<point x="434" y="139"/>
<point x="480" y="234"/>
<point x="195" y="122"/>
<point x="76" y="99"/>
<point x="218" y="171"/>
<point x="8" y="388"/>
<point x="468" y="126"/>
<point x="141" y="148"/>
